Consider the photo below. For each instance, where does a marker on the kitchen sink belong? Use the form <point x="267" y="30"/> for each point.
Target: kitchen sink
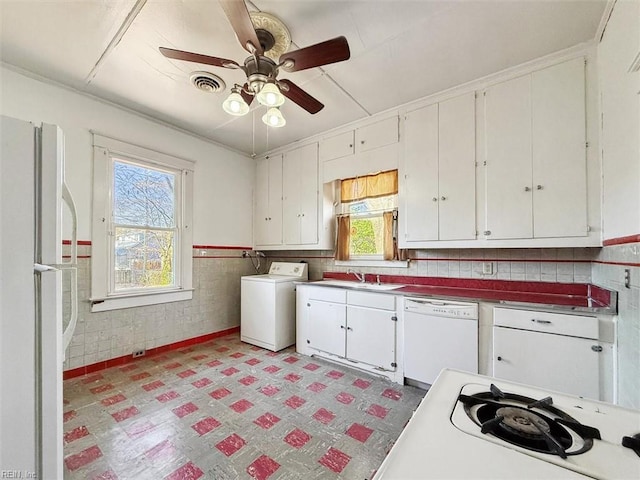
<point x="360" y="285"/>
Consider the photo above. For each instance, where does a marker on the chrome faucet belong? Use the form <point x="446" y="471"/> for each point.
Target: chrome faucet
<point x="359" y="276"/>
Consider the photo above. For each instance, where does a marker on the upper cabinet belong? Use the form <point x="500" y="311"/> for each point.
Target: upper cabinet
<point x="438" y="172"/>
<point x="292" y="209"/>
<point x="367" y="149"/>
<point x="268" y="201"/>
<point x="300" y="196"/>
<point x="536" y="163"/>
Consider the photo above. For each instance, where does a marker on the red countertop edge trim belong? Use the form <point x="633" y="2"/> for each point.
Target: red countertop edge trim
<point x="125" y="359"/>
<point x="79" y="242"/>
<point x="621" y="240"/>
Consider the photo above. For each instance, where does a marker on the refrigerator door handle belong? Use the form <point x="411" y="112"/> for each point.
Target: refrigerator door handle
<point x="39" y="268"/>
<point x="71" y="326"/>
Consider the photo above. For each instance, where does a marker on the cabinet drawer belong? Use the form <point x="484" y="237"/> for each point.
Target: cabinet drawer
<point x="328" y="294"/>
<point x="572" y="325"/>
<point x="371" y="300"/>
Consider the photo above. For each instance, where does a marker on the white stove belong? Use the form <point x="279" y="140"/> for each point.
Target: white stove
<point x="471" y="426"/>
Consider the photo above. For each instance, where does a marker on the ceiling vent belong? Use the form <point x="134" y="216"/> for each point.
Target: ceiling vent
<point x="207" y="82"/>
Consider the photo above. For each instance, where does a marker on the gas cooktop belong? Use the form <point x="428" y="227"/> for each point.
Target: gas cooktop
<point x="472" y="426"/>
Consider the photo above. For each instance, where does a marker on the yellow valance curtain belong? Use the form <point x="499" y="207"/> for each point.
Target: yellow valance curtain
<point x="369" y="186"/>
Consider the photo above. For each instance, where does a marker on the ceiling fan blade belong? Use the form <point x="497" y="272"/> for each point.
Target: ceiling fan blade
<point x="331" y="51"/>
<point x="238" y="15"/>
<point x="299" y="96"/>
<point x="198" y="58"/>
<point x="244" y="93"/>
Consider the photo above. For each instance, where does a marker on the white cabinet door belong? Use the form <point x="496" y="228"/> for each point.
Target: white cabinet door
<point x="559" y="150"/>
<point x="457" y="168"/>
<point x="308" y="194"/>
<point x="376" y="135"/>
<point x="371" y="336"/>
<point x="508" y="156"/>
<point x="337" y="146"/>
<point x="326" y="327"/>
<point x="300" y="196"/>
<point x="261" y="209"/>
<point x="556" y="362"/>
<point x="273" y="234"/>
<point x="421" y="174"/>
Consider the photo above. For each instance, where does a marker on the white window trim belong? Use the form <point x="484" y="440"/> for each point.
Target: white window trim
<point x="104" y="148"/>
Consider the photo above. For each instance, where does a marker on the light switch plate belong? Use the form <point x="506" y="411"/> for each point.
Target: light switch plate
<point x="487" y="268"/>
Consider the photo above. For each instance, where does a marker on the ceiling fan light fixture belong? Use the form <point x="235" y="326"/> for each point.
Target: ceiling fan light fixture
<point x="270" y="95"/>
<point x="274" y="118"/>
<point x="235" y="104"/>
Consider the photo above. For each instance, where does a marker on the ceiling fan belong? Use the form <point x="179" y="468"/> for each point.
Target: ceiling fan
<point x="261" y="70"/>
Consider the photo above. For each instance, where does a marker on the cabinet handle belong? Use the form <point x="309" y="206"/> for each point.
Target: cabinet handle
<point x="266" y="218"/>
<point x="342" y="326"/>
<point x="596" y="348"/>
<point x="361" y="142"/>
<point x="435" y="199"/>
<point x="351" y="145"/>
<point x="537" y="320"/>
<point x="269" y="218"/>
<point x="443" y="198"/>
<point x="499" y="359"/>
<point x="527" y="189"/>
<point x="539" y="187"/>
<point x="302" y="215"/>
<point x="349" y="328"/>
<point x="308" y="304"/>
<point x="487" y="232"/>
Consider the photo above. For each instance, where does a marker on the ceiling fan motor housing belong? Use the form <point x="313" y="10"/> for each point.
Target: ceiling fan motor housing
<point x="259" y="73"/>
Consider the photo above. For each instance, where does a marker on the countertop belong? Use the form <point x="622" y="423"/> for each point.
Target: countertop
<point x="579" y="298"/>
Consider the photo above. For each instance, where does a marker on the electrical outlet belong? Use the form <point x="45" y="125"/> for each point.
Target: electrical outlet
<point x="487" y="268"/>
<point x="138" y="353"/>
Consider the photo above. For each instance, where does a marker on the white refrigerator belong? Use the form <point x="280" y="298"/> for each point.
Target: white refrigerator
<point x="32" y="341"/>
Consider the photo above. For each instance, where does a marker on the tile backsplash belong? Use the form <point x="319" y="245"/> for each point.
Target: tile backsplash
<point x="564" y="265"/>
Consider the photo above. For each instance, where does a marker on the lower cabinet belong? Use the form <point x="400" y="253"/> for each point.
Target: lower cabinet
<point x="553" y="351"/>
<point x="326" y="326"/>
<point x="371" y="336"/>
<point x="352" y="327"/>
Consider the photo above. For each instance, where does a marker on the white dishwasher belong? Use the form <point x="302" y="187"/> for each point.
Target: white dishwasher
<point x="439" y="334"/>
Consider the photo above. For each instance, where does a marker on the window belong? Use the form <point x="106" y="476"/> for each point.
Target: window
<point x="367" y="218"/>
<point x="141" y="226"/>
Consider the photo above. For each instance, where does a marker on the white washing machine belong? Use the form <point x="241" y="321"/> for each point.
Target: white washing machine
<point x="268" y="306"/>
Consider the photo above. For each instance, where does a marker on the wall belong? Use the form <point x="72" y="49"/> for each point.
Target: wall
<point x="609" y="271"/>
<point x="215" y="306"/>
<point x="620" y="104"/>
<point x="222" y="178"/>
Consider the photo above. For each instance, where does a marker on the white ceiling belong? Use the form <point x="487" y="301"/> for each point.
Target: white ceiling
<point x="400" y="51"/>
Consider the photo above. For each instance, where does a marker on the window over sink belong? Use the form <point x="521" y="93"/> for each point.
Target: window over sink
<point x="367" y="219"/>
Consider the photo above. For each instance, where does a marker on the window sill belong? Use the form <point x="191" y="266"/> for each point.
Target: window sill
<point x="373" y="263"/>
<point x="139" y="300"/>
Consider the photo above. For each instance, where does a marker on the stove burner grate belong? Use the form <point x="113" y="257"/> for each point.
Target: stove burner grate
<point x="531" y="424"/>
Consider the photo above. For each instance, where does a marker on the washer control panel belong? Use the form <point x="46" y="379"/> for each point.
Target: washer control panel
<point x="289" y="269"/>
